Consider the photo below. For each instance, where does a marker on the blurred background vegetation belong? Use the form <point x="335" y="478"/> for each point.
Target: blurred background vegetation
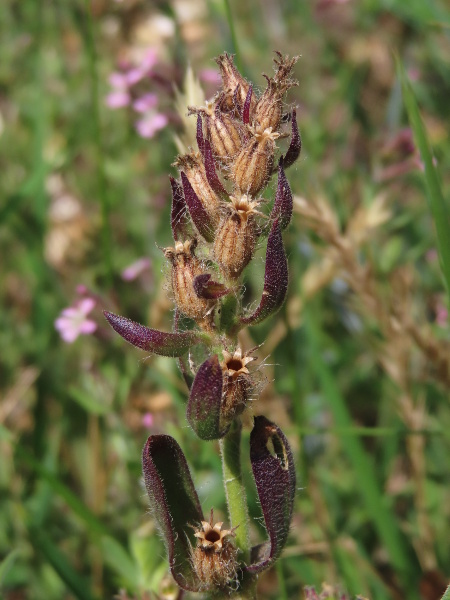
<point x="357" y="363"/>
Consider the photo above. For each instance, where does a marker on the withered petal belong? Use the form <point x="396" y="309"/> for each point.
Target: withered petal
<point x="210" y="170"/>
<point x="247" y="104"/>
<point x="274" y="473"/>
<point x="174" y="504"/>
<point x="197" y="211"/>
<point x="205" y="400"/>
<point x="295" y="146"/>
<point x="275" y="278"/>
<point x="200" y="140"/>
<point x="152" y="340"/>
<point x="209" y="289"/>
<point x="283" y="205"/>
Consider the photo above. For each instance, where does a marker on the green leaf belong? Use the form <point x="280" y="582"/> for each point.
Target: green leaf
<point x="439" y="207"/>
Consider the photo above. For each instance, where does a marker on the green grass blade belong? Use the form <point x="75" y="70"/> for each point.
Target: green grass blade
<point x="233" y="34"/>
<point x="73" y="580"/>
<point x="6" y="565"/>
<point x="384" y="521"/>
<point x="438" y="205"/>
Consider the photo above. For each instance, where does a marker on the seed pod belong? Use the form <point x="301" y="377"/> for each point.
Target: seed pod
<point x="215" y="558"/>
<point x="193" y="167"/>
<point x="222" y="130"/>
<point x="185" y="267"/>
<point x="253" y="165"/>
<point x="237" y="384"/>
<point x="231" y="79"/>
<point x="236" y="237"/>
<point x="269" y="109"/>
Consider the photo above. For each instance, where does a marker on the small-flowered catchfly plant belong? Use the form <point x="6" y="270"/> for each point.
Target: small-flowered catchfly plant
<point x="219" y="220"/>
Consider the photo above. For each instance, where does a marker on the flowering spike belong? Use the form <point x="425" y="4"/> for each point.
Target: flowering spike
<point x="283" y="205"/>
<point x="205" y="400"/>
<point x="274" y="472"/>
<point x="295" y="146"/>
<point x="178" y="212"/>
<point x="152" y="340"/>
<point x="174" y="504"/>
<point x="275" y="278"/>
<point x="200" y="140"/>
<point x="208" y="289"/>
<point x="198" y="213"/>
<point x="210" y="169"/>
<point x="247" y="104"/>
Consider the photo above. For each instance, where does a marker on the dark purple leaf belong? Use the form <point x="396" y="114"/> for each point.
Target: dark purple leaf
<point x="152" y="340"/>
<point x="210" y="170"/>
<point x="283" y="205"/>
<point x="274" y="472"/>
<point x="174" y="504"/>
<point x="247" y="104"/>
<point x="200" y="140"/>
<point x="178" y="218"/>
<point x="296" y="143"/>
<point x="197" y="211"/>
<point x="205" y="400"/>
<point x="208" y="289"/>
<point x="275" y="278"/>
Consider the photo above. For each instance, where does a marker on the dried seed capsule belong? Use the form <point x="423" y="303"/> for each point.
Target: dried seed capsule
<point x="269" y="109"/>
<point x="236" y="237"/>
<point x="232" y="82"/>
<point x="193" y="167"/>
<point x="237" y="384"/>
<point x="185" y="267"/>
<point x="253" y="165"/>
<point x="215" y="558"/>
<point x="222" y="130"/>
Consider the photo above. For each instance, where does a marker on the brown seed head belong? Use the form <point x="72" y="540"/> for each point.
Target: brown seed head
<point x="222" y="130"/>
<point x="236" y="236"/>
<point x="237" y="383"/>
<point x="269" y="109"/>
<point x="215" y="558"/>
<point x="185" y="267"/>
<point x="232" y="80"/>
<point x="194" y="169"/>
<point x="254" y="163"/>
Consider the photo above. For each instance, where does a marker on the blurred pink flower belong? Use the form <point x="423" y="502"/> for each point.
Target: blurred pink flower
<point x="431" y="255"/>
<point x="145" y="102"/>
<point x="441" y="314"/>
<point x="135" y="269"/>
<point x="73" y="320"/>
<point x="118" y="99"/>
<point x="210" y="76"/>
<point x="147" y="420"/>
<point x="150" y="124"/>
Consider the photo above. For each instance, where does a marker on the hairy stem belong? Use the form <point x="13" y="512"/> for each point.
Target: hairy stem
<point x="230" y="449"/>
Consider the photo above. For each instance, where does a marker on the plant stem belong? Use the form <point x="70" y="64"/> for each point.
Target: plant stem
<point x="230" y="449"/>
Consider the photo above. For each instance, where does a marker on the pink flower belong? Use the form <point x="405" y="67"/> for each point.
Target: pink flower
<point x="441" y="314"/>
<point x="74" y="322"/>
<point x="210" y="76"/>
<point x="150" y="124"/>
<point x="135" y="269"/>
<point x="118" y="99"/>
<point x="145" y="102"/>
<point x="147" y="420"/>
